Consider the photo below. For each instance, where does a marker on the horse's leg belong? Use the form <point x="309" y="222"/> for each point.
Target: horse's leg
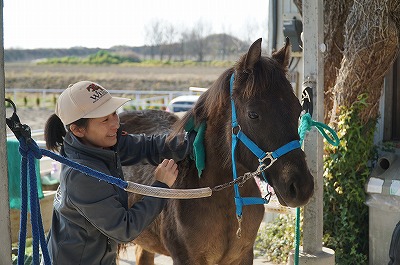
<point x="143" y="257"/>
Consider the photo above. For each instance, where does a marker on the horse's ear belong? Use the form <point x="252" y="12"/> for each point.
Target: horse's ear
<point x="283" y="55"/>
<point x="253" y="55"/>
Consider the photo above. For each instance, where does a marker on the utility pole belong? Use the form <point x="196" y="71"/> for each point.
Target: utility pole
<point x="312" y="251"/>
<point x="5" y="224"/>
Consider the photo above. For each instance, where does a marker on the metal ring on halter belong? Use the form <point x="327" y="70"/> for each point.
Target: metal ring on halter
<point x="264" y="166"/>
<point x="238" y="129"/>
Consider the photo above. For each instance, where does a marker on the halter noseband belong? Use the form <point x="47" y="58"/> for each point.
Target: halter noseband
<point x="237" y="134"/>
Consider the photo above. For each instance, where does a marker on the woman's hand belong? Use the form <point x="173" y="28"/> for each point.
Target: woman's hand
<point x="167" y="172"/>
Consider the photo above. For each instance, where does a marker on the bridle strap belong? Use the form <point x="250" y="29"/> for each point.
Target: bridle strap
<point x="260" y="154"/>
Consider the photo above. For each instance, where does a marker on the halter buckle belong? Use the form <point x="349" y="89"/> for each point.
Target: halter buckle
<point x="262" y="167"/>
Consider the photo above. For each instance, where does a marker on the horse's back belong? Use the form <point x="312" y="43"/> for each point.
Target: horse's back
<point x="148" y="122"/>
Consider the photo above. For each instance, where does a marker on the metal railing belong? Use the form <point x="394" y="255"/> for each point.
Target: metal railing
<point x="141" y="99"/>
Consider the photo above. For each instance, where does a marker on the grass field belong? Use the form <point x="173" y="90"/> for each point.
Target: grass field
<point x="113" y="77"/>
<point x="30" y="75"/>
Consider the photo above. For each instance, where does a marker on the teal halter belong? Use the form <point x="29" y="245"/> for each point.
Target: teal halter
<point x="237" y="134"/>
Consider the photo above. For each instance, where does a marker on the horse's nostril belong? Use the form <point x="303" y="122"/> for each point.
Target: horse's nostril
<point x="293" y="190"/>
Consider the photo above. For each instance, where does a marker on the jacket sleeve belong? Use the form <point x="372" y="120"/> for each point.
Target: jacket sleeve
<point x="134" y="148"/>
<point x="98" y="202"/>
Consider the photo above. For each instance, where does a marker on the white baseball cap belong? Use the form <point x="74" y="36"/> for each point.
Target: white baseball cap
<point x="86" y="99"/>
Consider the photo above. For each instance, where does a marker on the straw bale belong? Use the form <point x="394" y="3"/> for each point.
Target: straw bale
<point x="371" y="46"/>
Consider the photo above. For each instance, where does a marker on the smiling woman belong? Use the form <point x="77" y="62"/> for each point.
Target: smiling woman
<point x="90" y="217"/>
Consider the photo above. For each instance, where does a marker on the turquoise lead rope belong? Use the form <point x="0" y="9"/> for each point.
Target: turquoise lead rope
<point x="306" y="124"/>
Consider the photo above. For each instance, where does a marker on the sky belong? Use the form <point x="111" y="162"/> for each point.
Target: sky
<point x="31" y="24"/>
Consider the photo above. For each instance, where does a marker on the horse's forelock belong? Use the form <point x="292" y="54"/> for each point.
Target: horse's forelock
<point x="252" y="83"/>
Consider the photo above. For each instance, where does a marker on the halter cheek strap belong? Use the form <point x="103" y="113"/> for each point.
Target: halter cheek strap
<point x="237" y="135"/>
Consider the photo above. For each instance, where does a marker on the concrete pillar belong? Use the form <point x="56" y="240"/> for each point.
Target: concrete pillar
<point x="312" y="251"/>
<point x="5" y="225"/>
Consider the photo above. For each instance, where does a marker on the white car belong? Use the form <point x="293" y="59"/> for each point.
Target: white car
<point x="182" y="103"/>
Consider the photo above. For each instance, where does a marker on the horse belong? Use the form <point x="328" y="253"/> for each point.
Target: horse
<point x="205" y="230"/>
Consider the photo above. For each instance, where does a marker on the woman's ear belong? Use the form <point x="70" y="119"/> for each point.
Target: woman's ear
<point x="77" y="131"/>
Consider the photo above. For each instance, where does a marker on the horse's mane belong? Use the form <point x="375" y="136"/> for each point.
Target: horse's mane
<point x="217" y="97"/>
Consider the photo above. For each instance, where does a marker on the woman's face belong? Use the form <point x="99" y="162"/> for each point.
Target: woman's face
<point x="100" y="132"/>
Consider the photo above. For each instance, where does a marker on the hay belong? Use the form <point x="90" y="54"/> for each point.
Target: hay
<point x="362" y="39"/>
<point x="371" y="46"/>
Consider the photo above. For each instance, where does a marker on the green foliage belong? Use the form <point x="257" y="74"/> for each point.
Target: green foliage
<point x="99" y="58"/>
<point x="185" y="63"/>
<point x="107" y="58"/>
<point x="276" y="239"/>
<point x="346" y="172"/>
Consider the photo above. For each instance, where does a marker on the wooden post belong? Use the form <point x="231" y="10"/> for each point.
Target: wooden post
<point x="5" y="225"/>
<point x="313" y="144"/>
<point x="312" y="251"/>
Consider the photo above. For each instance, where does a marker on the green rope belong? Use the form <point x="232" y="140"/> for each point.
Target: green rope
<point x="306" y="123"/>
<point x="297" y="238"/>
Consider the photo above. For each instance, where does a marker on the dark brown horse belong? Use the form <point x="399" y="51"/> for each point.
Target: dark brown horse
<point x="203" y="231"/>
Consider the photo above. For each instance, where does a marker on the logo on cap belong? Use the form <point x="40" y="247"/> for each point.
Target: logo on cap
<point x="98" y="92"/>
<point x="93" y="87"/>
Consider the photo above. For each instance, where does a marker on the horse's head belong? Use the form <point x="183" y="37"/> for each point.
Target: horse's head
<point x="268" y="113"/>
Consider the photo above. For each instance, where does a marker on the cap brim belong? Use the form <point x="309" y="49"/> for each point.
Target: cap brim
<point x="107" y="107"/>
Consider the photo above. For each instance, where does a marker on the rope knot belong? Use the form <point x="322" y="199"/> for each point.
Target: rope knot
<point x="306" y="123"/>
<point x="29" y="147"/>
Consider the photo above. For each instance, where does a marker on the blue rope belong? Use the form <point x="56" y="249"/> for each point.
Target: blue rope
<point x="29" y="151"/>
<point x="306" y="123"/>
<point x="24" y="207"/>
<point x="86" y="170"/>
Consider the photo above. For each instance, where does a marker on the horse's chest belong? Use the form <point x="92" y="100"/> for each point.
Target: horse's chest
<point x="218" y="220"/>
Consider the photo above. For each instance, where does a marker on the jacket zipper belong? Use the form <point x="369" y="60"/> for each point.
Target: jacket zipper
<point x="116" y="164"/>
<point x="108" y="244"/>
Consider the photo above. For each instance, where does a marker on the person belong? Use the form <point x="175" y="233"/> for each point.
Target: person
<point x="90" y="216"/>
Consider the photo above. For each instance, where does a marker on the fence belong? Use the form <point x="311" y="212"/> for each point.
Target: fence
<point x="46" y="98"/>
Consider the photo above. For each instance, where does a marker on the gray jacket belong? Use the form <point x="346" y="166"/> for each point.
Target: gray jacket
<point x="90" y="216"/>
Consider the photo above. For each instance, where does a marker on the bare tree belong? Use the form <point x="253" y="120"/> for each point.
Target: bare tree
<point x="170" y="34"/>
<point x="183" y="42"/>
<point x="250" y="28"/>
<point x="154" y="35"/>
<point x="198" y="39"/>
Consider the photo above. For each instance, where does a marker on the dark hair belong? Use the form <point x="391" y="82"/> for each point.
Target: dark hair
<point x="54" y="131"/>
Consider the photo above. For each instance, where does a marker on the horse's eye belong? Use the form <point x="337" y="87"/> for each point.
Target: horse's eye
<point x="252" y="114"/>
